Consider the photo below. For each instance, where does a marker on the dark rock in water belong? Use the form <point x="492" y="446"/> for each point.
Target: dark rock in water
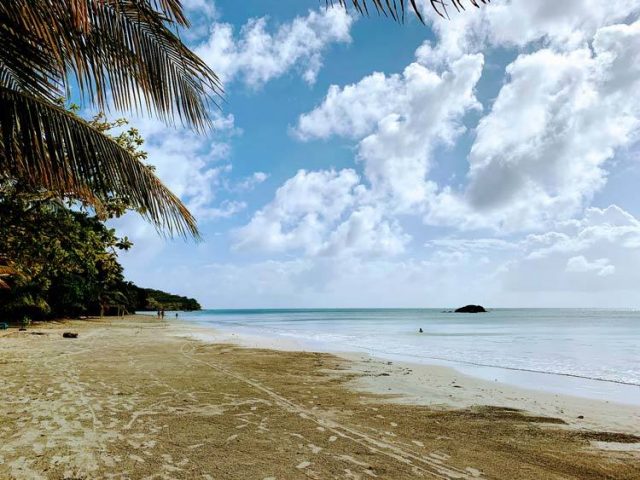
<point x="471" y="309"/>
<point x="70" y="335"/>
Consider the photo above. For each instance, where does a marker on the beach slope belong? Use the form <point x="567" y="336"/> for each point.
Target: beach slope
<point x="138" y="398"/>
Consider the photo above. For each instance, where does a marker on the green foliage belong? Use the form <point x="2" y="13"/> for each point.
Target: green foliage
<point x="158" y="299"/>
<point x="66" y="259"/>
<point x="57" y="257"/>
<point x="148" y="299"/>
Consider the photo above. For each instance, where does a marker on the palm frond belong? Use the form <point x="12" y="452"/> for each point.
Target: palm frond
<point x="127" y="51"/>
<point x="45" y="146"/>
<point x="396" y="9"/>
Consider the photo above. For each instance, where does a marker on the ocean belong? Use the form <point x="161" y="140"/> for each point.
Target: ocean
<point x="588" y="353"/>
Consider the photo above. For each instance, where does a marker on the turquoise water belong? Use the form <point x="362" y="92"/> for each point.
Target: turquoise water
<point x="593" y="353"/>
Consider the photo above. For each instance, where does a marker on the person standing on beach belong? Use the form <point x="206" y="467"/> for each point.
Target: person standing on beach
<point x="162" y="313"/>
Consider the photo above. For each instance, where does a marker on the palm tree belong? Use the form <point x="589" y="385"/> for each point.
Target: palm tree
<point x="125" y="53"/>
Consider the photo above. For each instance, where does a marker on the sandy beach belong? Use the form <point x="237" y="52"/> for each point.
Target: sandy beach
<point x="143" y="398"/>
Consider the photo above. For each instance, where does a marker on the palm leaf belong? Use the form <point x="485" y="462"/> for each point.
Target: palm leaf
<point x="396" y="8"/>
<point x="124" y="51"/>
<point x="45" y="146"/>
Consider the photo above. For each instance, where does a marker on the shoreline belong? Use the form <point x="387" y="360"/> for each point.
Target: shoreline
<point x="138" y="398"/>
<point x="596" y="379"/>
<point x="432" y="385"/>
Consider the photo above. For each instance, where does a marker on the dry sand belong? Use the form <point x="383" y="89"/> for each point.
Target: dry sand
<point x="138" y="398"/>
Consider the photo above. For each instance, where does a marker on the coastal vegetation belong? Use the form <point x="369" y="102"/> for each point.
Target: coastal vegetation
<point x="59" y="258"/>
<point x="65" y="262"/>
<point x="149" y="299"/>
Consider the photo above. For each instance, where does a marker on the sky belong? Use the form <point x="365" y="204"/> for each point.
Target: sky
<point x="491" y="158"/>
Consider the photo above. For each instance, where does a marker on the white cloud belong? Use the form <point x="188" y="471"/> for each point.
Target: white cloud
<point x="321" y="213"/>
<point x="303" y="209"/>
<point x="311" y="214"/>
<point x="257" y="56"/>
<point x="397" y="155"/>
<point x="366" y="231"/>
<point x="554" y="125"/>
<point x="539" y="154"/>
<point x="544" y="146"/>
<point x="250" y="182"/>
<point x="199" y="8"/>
<point x="561" y="25"/>
<point x="354" y="110"/>
<point x="193" y="166"/>
<point x="530" y="271"/>
<point x="580" y="264"/>
<point x="226" y="209"/>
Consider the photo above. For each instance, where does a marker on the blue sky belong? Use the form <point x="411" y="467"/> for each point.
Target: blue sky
<point x="492" y="158"/>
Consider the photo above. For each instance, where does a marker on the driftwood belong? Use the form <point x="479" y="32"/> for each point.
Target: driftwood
<point x="70" y="335"/>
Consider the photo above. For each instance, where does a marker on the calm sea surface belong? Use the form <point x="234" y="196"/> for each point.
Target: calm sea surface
<point x="592" y="353"/>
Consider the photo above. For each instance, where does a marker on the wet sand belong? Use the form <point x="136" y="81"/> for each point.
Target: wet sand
<point x="140" y="398"/>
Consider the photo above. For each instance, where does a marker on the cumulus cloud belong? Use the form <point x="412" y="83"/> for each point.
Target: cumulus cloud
<point x="397" y="155"/>
<point x="565" y="25"/>
<point x="543" y="147"/>
<point x="336" y="212"/>
<point x="537" y="270"/>
<point x="541" y="152"/>
<point x="321" y="213"/>
<point x="257" y="55"/>
<point x="539" y="155"/>
<point x="399" y="119"/>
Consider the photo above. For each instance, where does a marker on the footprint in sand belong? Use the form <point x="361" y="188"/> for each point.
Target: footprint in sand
<point x="314" y="448"/>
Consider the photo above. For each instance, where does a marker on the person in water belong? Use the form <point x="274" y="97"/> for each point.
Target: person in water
<point x="420" y="331"/>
